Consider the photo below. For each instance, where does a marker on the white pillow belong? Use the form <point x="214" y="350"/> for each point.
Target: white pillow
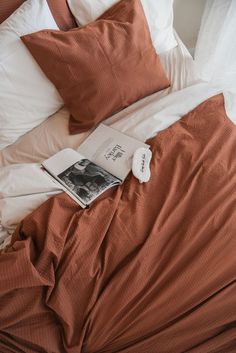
<point x="159" y="14"/>
<point x="27" y="97"/>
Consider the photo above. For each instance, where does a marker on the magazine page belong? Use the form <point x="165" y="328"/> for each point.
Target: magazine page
<point x="61" y="161"/>
<point x="84" y="179"/>
<point x="87" y="180"/>
<point x="111" y="150"/>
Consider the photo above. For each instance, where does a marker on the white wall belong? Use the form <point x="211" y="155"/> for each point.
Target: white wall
<point x="187" y="19"/>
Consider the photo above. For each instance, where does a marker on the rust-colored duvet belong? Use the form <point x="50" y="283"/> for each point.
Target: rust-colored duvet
<point x="149" y="268"/>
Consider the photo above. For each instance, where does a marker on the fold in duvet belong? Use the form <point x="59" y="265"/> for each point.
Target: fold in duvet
<point x="148" y="268"/>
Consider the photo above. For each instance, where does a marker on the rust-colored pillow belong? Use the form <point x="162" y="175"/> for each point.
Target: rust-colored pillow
<point x="103" y="67"/>
<point x="59" y="8"/>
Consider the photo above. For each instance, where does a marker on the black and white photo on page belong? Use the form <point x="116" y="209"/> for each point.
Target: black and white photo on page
<point x="87" y="180"/>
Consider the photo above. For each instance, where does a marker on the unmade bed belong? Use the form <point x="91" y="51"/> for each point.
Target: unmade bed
<point x="147" y="268"/>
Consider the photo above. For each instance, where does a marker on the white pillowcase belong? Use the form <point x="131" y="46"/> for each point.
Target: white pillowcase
<point x="159" y="14"/>
<point x="27" y="97"/>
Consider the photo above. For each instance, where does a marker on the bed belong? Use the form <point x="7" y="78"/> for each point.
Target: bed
<point x="147" y="268"/>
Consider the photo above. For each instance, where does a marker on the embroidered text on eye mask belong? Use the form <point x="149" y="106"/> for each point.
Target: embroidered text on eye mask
<point x="141" y="164"/>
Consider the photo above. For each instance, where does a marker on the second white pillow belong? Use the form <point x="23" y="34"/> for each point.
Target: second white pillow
<point x="159" y="14"/>
<point x="27" y="97"/>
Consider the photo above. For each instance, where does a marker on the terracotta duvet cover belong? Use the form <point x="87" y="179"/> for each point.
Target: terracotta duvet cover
<point x="149" y="268"/>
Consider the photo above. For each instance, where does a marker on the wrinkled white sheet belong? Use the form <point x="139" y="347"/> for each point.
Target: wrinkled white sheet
<point x="24" y="186"/>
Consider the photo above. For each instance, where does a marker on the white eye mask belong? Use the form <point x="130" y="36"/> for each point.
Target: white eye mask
<point x="141" y="164"/>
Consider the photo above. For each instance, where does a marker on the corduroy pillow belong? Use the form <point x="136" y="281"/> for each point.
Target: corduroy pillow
<point x="59" y="8"/>
<point x="103" y="67"/>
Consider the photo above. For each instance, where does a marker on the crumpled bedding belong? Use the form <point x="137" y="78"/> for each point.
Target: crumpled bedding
<point x="147" y="268"/>
<point x="22" y="186"/>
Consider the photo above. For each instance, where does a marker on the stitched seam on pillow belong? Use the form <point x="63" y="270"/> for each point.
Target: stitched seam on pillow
<point x="22" y="10"/>
<point x="32" y="28"/>
<point x="16" y="13"/>
<point x="5" y="58"/>
<point x="14" y="30"/>
<point x="3" y="69"/>
<point x="66" y="63"/>
<point x="111" y="66"/>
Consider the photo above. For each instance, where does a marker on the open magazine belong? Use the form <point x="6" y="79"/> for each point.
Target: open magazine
<point x="101" y="162"/>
